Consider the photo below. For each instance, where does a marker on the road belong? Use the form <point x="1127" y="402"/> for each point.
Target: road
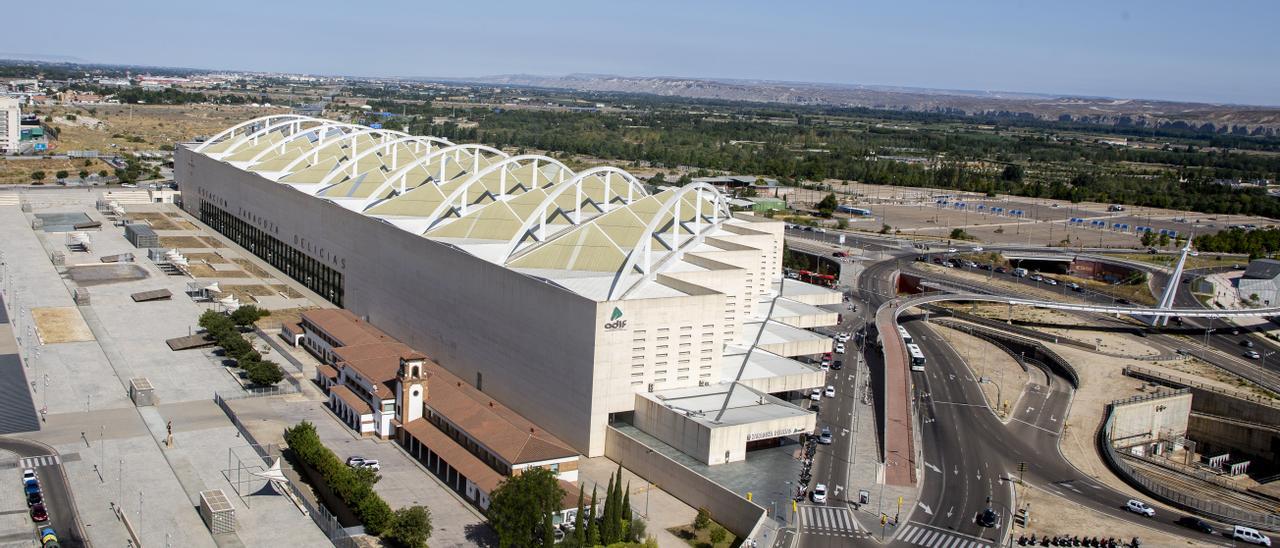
<point x="969" y="454"/>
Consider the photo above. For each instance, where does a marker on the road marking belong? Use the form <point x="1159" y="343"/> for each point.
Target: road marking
<point x="933" y="467"/>
<point x="919" y="534"/>
<point x="42" y="460"/>
<point x="926" y="508"/>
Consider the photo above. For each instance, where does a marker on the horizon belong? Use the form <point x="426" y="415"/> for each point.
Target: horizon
<point x="1130" y="51"/>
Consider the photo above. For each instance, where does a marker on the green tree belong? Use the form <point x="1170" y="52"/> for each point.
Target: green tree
<point x="959" y="234"/>
<point x="885" y="229"/>
<point x="410" y="527"/>
<point x="684" y="179"/>
<point x="1012" y="173"/>
<point x="83" y="174"/>
<point x="519" y="505"/>
<point x="264" y="373"/>
<point x="842" y="223"/>
<point x="579" y="534"/>
<point x="1148" y="239"/>
<point x="548" y="532"/>
<point x="61" y="174"/>
<point x="626" y="513"/>
<point x="593" y="528"/>
<point x="1163" y="241"/>
<point x="102" y="173"/>
<point x="703" y="519"/>
<point x="37" y="176"/>
<point x="827" y="205"/>
<point x="637" y="530"/>
<point x="658" y="179"/>
<point x="247" y="314"/>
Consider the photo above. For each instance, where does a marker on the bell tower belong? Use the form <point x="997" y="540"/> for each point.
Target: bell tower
<point x="413" y="387"/>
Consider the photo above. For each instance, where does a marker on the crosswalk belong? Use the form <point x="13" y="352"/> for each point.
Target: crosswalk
<point x="42" y="460"/>
<point x="829" y="520"/>
<point x="919" y="535"/>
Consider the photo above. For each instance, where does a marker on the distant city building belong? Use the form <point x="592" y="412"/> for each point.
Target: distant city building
<point x="729" y="183"/>
<point x="10" y="124"/>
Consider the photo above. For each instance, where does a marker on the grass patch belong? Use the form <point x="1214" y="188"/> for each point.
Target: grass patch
<point x="701" y="538"/>
<point x="1167" y="260"/>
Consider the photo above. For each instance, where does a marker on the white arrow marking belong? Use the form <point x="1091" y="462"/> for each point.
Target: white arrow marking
<point x="926" y="508"/>
<point x="956" y="471"/>
<point x="932" y="467"/>
<point x="1053" y="419"/>
<point x="979" y="475"/>
<point x="1030" y="409"/>
<point x="949" y="509"/>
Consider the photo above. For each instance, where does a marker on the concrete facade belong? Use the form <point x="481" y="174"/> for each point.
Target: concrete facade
<point x="1148" y="418"/>
<point x="10" y="116"/>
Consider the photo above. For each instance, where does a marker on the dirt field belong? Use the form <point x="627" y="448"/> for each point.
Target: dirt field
<point x="183" y="242"/>
<point x="1052" y="515"/>
<point x="281" y="317"/>
<point x="60" y="325"/>
<point x="141" y="127"/>
<point x="251" y="268"/>
<point x="211" y="258"/>
<point x="19" y="171"/>
<point x="212" y="242"/>
<point x="157" y="221"/>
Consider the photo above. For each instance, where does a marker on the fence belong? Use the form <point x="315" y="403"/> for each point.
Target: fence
<point x="1175" y="381"/>
<point x="1040" y="354"/>
<point x="1171" y="495"/>
<point x="319" y="514"/>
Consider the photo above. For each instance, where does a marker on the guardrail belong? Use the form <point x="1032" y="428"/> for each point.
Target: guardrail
<point x="1041" y="354"/>
<point x="1169" y="495"/>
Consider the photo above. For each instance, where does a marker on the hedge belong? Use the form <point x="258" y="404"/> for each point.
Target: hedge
<point x="356" y="493"/>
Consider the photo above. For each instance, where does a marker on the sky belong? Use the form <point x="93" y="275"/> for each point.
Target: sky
<point x="1220" y="52"/>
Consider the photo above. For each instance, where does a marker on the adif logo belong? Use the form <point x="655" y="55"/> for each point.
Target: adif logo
<point x="615" y="320"/>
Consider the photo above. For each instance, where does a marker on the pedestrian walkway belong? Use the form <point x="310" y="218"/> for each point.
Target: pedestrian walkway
<point x="921" y="535"/>
<point x="42" y="460"/>
<point x="831" y="521"/>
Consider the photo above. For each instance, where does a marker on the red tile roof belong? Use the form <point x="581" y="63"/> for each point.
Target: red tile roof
<point x="456" y="455"/>
<point x="344" y="326"/>
<point x="356" y="403"/>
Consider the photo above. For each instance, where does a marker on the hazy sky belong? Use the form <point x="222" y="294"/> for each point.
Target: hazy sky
<point x="1172" y="49"/>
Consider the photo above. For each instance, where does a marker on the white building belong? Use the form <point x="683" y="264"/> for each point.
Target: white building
<point x="568" y="296"/>
<point x="10" y="133"/>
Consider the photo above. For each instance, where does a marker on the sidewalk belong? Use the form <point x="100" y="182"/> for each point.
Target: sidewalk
<point x="865" y="470"/>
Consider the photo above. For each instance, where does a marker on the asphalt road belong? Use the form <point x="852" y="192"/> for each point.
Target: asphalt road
<point x="57" y="492"/>
<point x="969" y="454"/>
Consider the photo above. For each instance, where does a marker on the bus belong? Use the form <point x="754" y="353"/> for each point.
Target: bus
<point x="906" y="337"/>
<point x="917" y="357"/>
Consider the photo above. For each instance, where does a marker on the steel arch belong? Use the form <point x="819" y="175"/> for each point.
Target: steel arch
<point x="315" y="153"/>
<point x="354" y="160"/>
<point x="325" y="128"/>
<point x="231" y="130"/>
<point x="401" y="173"/>
<point x="461" y="191"/>
<point x="644" y="247"/>
<point x="253" y="137"/>
<point x="575" y="183"/>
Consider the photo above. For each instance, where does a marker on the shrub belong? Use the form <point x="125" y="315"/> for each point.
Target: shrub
<point x="703" y="519"/>
<point x="717" y="535"/>
<point x="247" y="314"/>
<point x="410" y="527"/>
<point x="356" y="493"/>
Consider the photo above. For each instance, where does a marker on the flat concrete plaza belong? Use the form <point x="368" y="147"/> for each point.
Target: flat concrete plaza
<point x="115" y="454"/>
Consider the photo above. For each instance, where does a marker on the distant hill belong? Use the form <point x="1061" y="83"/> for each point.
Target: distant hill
<point x="1217" y="118"/>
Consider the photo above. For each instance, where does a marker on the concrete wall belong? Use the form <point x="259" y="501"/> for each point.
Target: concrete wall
<point x="532" y="342"/>
<point x="1150" y="418"/>
<point x="730" y="509"/>
<point x="1215" y="435"/>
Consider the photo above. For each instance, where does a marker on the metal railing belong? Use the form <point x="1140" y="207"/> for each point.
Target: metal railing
<point x="1168" y="494"/>
<point x="1175" y="381"/>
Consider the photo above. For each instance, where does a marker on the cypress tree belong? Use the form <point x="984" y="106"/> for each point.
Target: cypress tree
<point x="626" y="513"/>
<point x="607" y="532"/>
<point x="548" y="531"/>
<point x="579" y="534"/>
<point x="593" y="531"/>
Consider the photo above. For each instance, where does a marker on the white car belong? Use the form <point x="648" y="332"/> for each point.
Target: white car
<point x="1249" y="535"/>
<point x="816" y="395"/>
<point x="29" y="476"/>
<point x="1139" y="507"/>
<point x="1253" y="355"/>
<point x="839" y="348"/>
<point x="361" y="462"/>
<point x="842" y="338"/>
<point x="831" y="391"/>
<point x="1051" y="281"/>
<point x="952" y="250"/>
<point x="825" y="436"/>
<point x="977" y="248"/>
<point x="819" y="494"/>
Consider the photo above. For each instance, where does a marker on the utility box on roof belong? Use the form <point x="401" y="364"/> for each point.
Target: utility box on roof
<point x="141" y="392"/>
<point x="217" y="512"/>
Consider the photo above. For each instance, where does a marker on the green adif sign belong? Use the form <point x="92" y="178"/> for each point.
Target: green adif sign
<point x="615" y="320"/>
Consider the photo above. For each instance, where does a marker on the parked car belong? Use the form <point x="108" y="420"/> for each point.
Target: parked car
<point x="842" y="337"/>
<point x="1250" y="535"/>
<point x="839" y="348"/>
<point x="831" y="391"/>
<point x="1051" y="281"/>
<point x="816" y="395"/>
<point x="824" y="437"/>
<point x="1001" y="270"/>
<point x="952" y="250"/>
<point x="989" y="518"/>
<point x="47" y="535"/>
<point x="29" y="477"/>
<point x="1075" y="287"/>
<point x="34" y="497"/>
<point x="819" y="494"/>
<point x="38" y="513"/>
<point x="1195" y="523"/>
<point x="977" y="248"/>
<point x="361" y="462"/>
<point x="1037" y="278"/>
<point x="1139" y="507"/>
